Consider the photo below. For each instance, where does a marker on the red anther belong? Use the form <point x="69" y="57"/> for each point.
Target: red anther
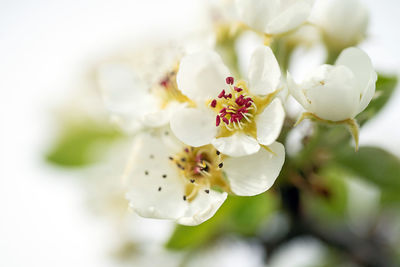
<point x="187" y="150"/>
<point x="228" y="96"/>
<point x="214" y="103"/>
<point x="222" y="94"/>
<point x="237" y="89"/>
<point x="222" y="110"/>
<point x="240" y="100"/>
<point x="248" y="104"/>
<point x="217" y="120"/>
<point x="242" y="110"/>
<point x="229" y="80"/>
<point x="225" y="120"/>
<point x="164" y="82"/>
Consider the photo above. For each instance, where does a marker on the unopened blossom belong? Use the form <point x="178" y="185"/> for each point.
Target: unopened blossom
<point x="167" y="179"/>
<point x="140" y="90"/>
<point x="337" y="93"/>
<point x="235" y="116"/>
<point x="274" y="16"/>
<point x="343" y="22"/>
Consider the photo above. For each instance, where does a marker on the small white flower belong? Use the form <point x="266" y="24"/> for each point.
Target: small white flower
<point x="274" y="16"/>
<point x="337" y="93"/>
<point x="138" y="93"/>
<point x="169" y="180"/>
<point x="344" y="22"/>
<point x="235" y="118"/>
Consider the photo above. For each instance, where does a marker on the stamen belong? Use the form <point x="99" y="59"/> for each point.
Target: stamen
<point x="214" y="103"/>
<point x="217" y="120"/>
<point x="230" y="80"/>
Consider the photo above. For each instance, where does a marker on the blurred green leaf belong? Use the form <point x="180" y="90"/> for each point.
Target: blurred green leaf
<point x="385" y="86"/>
<point x="242" y="215"/>
<point x="330" y="203"/>
<point x="377" y="166"/>
<point x="80" y="144"/>
<point x="374" y="164"/>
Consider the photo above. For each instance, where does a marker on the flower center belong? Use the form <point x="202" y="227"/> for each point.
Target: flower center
<point x="235" y="106"/>
<point x="201" y="168"/>
<point x="168" y="90"/>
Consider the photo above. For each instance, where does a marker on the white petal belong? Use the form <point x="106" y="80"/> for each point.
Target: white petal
<point x="194" y="126"/>
<point x="202" y="208"/>
<point x="290" y="15"/>
<point x="256" y="173"/>
<point x="122" y="90"/>
<point x="162" y="116"/>
<point x="257" y="13"/>
<point x="332" y="92"/>
<point x="264" y="72"/>
<point x="236" y="145"/>
<point x="361" y="66"/>
<point x="202" y="75"/>
<point x="269" y="122"/>
<point x="296" y="91"/>
<point x="149" y="163"/>
<point x="344" y="22"/>
<point x="156" y="189"/>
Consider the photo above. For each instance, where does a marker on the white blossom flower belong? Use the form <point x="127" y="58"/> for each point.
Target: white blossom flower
<point x="274" y="16"/>
<point x="140" y="89"/>
<point x="237" y="119"/>
<point x="337" y="93"/>
<point x="167" y="179"/>
<point x="343" y="22"/>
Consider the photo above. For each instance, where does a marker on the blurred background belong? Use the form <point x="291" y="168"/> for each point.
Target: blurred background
<point x="47" y="49"/>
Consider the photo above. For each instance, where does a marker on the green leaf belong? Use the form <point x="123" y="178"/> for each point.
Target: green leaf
<point x="385" y="86"/>
<point x="330" y="205"/>
<point x="81" y="144"/>
<point x="374" y="164"/>
<point x="242" y="215"/>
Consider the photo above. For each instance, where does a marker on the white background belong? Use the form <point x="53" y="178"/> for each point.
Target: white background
<point x="44" y="46"/>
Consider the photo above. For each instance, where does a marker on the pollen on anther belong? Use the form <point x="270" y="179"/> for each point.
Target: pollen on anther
<point x="220" y="165"/>
<point x="218" y="153"/>
<point x="192" y="181"/>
